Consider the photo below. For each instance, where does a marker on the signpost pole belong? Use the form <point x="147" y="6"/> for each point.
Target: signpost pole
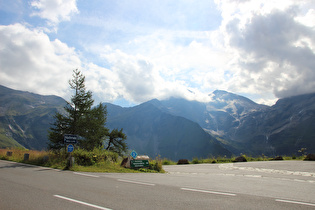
<point x="70" y="140"/>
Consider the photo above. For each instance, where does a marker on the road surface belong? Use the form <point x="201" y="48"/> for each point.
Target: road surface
<point x="253" y="185"/>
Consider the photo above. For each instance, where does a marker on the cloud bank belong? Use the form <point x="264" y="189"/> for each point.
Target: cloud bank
<point x="139" y="51"/>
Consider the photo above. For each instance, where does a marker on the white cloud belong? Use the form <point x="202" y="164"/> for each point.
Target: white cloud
<point x="55" y="11"/>
<point x="30" y="61"/>
<point x="139" y="51"/>
<point x="273" y="42"/>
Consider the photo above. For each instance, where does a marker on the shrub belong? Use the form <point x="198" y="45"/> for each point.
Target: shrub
<point x="196" y="161"/>
<point x="156" y="165"/>
<point x="167" y="162"/>
<point x="310" y="157"/>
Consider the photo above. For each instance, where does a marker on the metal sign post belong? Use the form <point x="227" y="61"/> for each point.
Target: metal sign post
<point x="69" y="140"/>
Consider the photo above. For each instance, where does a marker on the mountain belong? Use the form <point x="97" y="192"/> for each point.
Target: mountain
<point x="25" y="118"/>
<point x="223" y="111"/>
<point x="244" y="126"/>
<point x="176" y="128"/>
<point x="282" y="129"/>
<point x="154" y="132"/>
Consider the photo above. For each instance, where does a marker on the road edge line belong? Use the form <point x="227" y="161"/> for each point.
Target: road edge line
<point x="81" y="202"/>
<point x="208" y="191"/>
<point x="295" y="202"/>
<point x="135" y="182"/>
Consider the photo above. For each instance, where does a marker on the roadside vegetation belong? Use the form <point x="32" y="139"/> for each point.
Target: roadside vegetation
<point x="245" y="158"/>
<point x="98" y="160"/>
<point x="95" y="149"/>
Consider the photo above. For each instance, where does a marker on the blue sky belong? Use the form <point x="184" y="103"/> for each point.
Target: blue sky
<point x="133" y="51"/>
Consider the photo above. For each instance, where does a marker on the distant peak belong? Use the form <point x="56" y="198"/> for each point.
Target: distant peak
<point x="220" y="92"/>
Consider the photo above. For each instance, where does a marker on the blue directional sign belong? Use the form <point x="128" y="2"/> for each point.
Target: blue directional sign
<point x="70" y="148"/>
<point x="133" y="154"/>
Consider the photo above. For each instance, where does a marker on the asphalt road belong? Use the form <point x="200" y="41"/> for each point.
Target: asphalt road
<point x="253" y="185"/>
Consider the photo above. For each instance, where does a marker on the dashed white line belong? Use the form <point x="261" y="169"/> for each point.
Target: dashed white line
<point x="81" y="202"/>
<point x="295" y="202"/>
<point x="82" y="174"/>
<point x="135" y="182"/>
<point x="207" y="191"/>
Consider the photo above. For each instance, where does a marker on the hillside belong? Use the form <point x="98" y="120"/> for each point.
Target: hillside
<point x="247" y="127"/>
<point x="25" y="118"/>
<point x="176" y="128"/>
<point x="153" y="132"/>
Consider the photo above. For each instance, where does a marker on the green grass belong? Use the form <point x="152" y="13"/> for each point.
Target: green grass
<point x="97" y="160"/>
<point x="104" y="167"/>
<point x="232" y="159"/>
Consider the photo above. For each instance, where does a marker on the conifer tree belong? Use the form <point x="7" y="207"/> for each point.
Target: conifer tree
<point x="116" y="142"/>
<point x="81" y="119"/>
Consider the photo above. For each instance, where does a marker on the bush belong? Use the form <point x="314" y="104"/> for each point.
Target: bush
<point x="310" y="157"/>
<point x="196" y="161"/>
<point x="167" y="162"/>
<point x="156" y="165"/>
<point x="88" y="158"/>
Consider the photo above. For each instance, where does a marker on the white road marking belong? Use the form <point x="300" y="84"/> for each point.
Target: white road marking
<point x="81" y="202"/>
<point x="82" y="174"/>
<point x="295" y="202"/>
<point x="207" y="191"/>
<point x="135" y="182"/>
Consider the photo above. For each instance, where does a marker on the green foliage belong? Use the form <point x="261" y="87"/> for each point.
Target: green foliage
<point x="7" y="141"/>
<point x="196" y="161"/>
<point x="156" y="165"/>
<point x="224" y="159"/>
<point x="168" y="162"/>
<point x="98" y="160"/>
<point x="80" y="118"/>
<point x="116" y="142"/>
<point x="97" y="155"/>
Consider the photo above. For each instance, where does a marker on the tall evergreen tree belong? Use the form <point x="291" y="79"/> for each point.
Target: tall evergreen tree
<point x="80" y="119"/>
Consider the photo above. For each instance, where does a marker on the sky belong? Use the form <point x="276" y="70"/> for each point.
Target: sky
<point x="132" y="51"/>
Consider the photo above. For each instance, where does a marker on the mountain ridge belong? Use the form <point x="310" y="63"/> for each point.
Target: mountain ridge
<point x="176" y="127"/>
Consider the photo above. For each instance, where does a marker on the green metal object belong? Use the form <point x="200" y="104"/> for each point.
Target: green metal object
<point x="139" y="163"/>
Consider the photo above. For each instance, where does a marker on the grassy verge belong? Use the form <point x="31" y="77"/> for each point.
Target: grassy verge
<point x="97" y="160"/>
<point x="232" y="159"/>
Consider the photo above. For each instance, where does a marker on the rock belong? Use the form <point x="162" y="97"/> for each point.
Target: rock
<point x="310" y="157"/>
<point x="126" y="162"/>
<point x="142" y="157"/>
<point x="278" y="158"/>
<point x="240" y="159"/>
<point x="182" y="161"/>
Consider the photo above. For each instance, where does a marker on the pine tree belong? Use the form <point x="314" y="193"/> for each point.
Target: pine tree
<point x="81" y="119"/>
<point x="116" y="142"/>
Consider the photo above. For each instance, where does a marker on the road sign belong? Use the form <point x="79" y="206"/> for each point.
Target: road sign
<point x="70" y="139"/>
<point x="139" y="163"/>
<point x="133" y="154"/>
<point x="70" y="148"/>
